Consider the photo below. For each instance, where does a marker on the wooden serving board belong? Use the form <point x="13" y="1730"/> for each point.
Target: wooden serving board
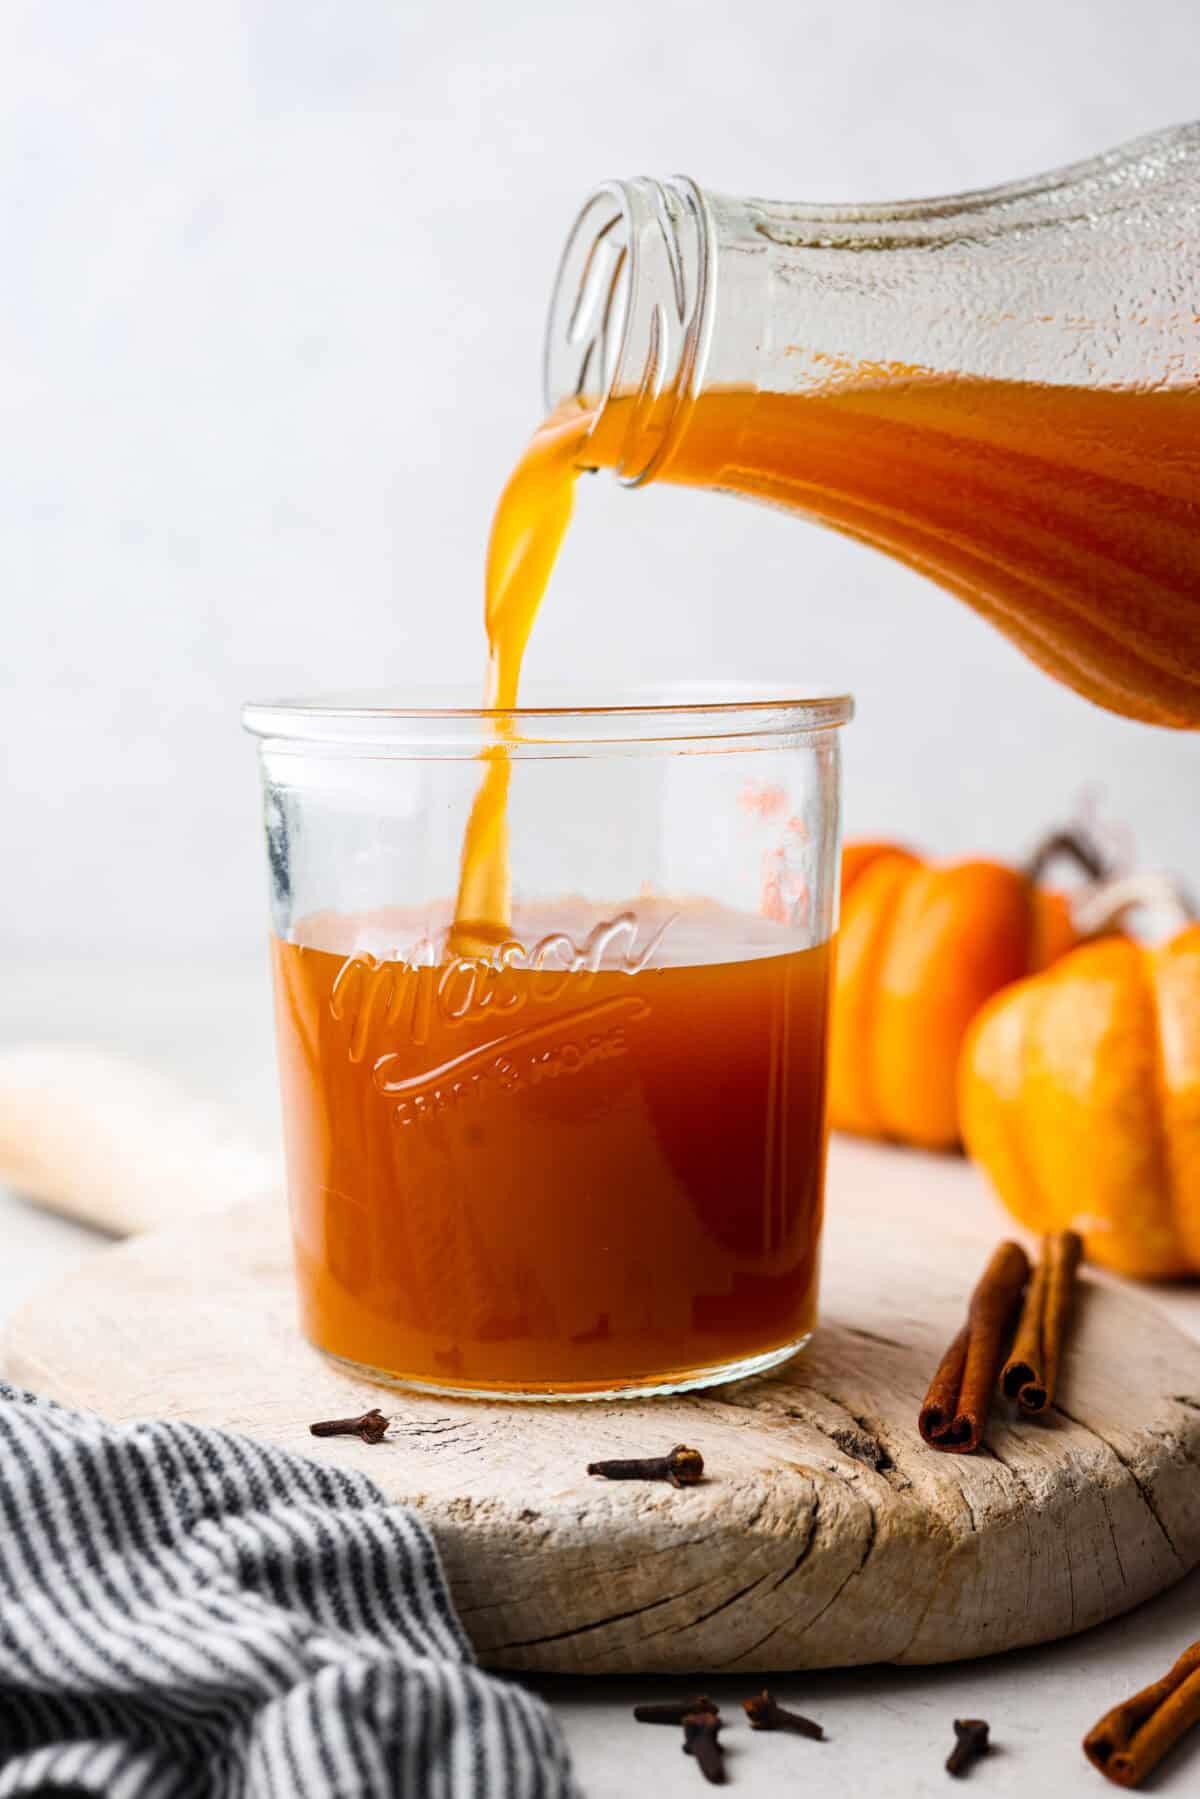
<point x="827" y="1532"/>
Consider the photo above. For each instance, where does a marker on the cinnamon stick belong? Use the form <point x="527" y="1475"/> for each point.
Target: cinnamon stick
<point x="1132" y="1739"/>
<point x="1031" y="1372"/>
<point x="956" y="1406"/>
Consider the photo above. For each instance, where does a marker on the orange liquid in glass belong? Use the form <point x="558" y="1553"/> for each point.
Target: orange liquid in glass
<point x="574" y="1172"/>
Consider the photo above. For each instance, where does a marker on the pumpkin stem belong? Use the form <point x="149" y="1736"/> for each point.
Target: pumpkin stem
<point x="1105" y="907"/>
<point x="1076" y="846"/>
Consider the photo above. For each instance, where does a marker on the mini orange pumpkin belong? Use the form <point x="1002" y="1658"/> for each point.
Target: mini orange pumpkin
<point x="921" y="947"/>
<point x="1080" y="1097"/>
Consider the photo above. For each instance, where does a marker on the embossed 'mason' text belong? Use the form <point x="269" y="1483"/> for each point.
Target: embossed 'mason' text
<point x="429" y="989"/>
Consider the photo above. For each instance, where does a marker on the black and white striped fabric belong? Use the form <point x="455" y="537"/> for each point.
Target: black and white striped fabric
<point x="189" y="1614"/>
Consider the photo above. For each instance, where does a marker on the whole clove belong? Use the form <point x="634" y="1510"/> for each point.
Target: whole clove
<point x="370" y="1428"/>
<point x="765" y="1713"/>
<point x="700" y="1738"/>
<point x="683" y="1467"/>
<point x="972" y="1742"/>
<point x="673" y="1711"/>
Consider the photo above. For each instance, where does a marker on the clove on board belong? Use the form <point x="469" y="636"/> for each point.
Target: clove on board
<point x="370" y="1428"/>
<point x="765" y="1713"/>
<point x="682" y="1466"/>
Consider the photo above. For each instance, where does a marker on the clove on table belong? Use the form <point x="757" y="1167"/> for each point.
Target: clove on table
<point x="971" y="1736"/>
<point x="765" y="1713"/>
<point x="673" y="1711"/>
<point x="700" y="1739"/>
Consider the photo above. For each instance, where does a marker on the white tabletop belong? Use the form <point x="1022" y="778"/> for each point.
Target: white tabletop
<point x="889" y="1729"/>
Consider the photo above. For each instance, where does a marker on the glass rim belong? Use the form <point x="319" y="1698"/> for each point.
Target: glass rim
<point x="562" y="713"/>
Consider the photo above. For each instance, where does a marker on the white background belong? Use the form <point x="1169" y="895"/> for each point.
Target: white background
<point x="272" y="281"/>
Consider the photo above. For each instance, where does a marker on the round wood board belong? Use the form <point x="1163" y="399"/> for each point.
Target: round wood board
<point x="827" y="1533"/>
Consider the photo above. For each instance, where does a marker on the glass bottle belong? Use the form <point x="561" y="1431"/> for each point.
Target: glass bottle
<point x="1000" y="388"/>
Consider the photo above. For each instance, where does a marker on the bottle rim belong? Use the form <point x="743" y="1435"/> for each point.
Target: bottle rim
<point x="631" y="313"/>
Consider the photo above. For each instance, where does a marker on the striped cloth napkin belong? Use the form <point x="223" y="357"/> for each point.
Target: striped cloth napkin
<point x="189" y="1614"/>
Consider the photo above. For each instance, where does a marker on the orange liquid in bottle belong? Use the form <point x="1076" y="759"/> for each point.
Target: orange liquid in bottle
<point x="1068" y="517"/>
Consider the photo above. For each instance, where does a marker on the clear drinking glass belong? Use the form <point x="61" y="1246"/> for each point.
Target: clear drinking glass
<point x="588" y="1159"/>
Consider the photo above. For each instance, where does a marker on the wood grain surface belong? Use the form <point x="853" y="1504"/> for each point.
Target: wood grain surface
<point x="826" y="1533"/>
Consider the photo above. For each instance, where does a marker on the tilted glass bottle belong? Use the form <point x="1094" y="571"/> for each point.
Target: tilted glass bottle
<point x="1000" y="388"/>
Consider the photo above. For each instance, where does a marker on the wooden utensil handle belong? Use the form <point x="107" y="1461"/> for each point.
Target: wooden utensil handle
<point x="119" y="1146"/>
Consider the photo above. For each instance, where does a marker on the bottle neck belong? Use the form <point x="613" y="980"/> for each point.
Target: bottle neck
<point x="1077" y="279"/>
<point x="631" y="315"/>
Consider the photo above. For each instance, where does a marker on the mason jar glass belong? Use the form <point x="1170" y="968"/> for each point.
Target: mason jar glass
<point x="584" y="1157"/>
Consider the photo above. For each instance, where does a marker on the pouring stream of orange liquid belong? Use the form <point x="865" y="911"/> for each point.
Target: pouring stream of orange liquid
<point x="530" y="523"/>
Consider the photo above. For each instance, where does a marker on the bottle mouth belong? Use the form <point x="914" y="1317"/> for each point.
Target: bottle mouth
<point x="631" y="313"/>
